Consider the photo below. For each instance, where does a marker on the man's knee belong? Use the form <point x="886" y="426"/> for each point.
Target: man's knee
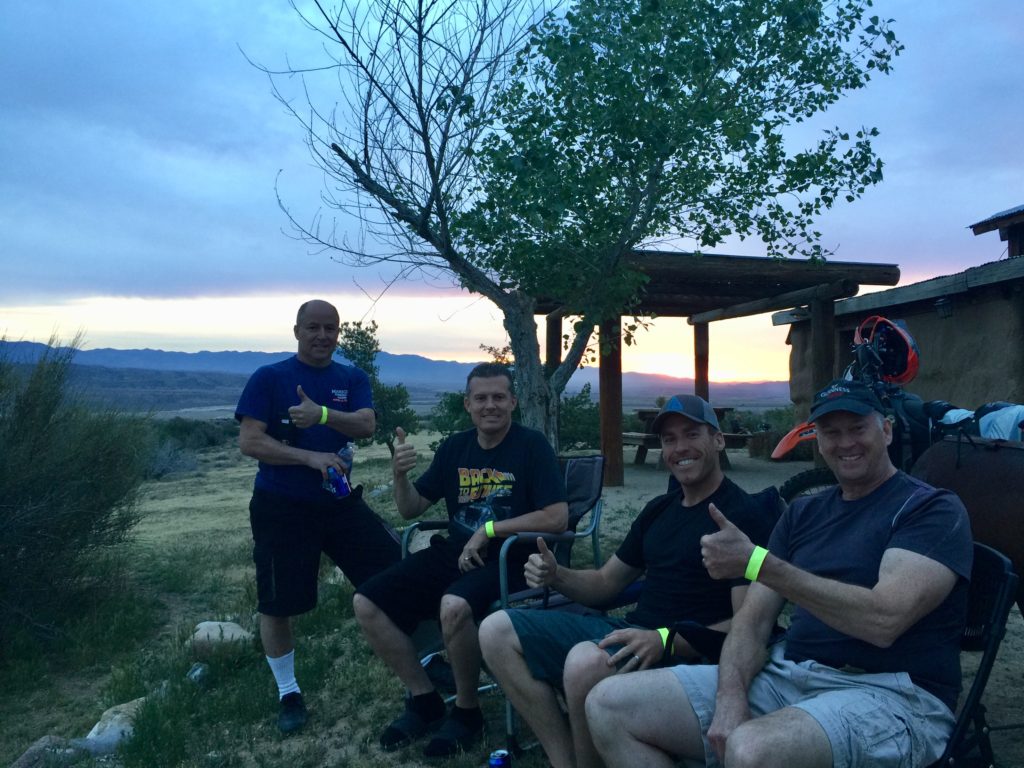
<point x="496" y="632"/>
<point x="455" y="614"/>
<point x="771" y="740"/>
<point x="601" y="704"/>
<point x="364" y="609"/>
<point x="275" y="622"/>
<point x="746" y="746"/>
<point x="585" y="666"/>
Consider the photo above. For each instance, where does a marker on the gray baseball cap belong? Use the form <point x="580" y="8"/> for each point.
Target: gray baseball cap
<point x="692" y="407"/>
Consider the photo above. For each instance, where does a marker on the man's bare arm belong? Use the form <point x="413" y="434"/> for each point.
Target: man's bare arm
<point x="909" y="587"/>
<point x="253" y="441"/>
<point x="743" y="656"/>
<point x="551" y="519"/>
<point x="356" y="424"/>
<point x="408" y="500"/>
<point x="588" y="586"/>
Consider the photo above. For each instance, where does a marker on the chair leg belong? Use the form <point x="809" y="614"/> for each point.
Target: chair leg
<point x="511" y="743"/>
<point x="981" y="733"/>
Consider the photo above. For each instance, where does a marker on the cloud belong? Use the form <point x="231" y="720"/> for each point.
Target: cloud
<point x="141" y="150"/>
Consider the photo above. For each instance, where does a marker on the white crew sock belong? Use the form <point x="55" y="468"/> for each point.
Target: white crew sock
<point x="283" y="668"/>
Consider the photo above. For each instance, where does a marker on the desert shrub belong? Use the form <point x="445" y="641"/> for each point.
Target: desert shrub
<point x="68" y="477"/>
<point x="196" y="434"/>
<point x="773" y="420"/>
<point x="169" y="458"/>
<point x="176" y="442"/>
<point x="579" y="421"/>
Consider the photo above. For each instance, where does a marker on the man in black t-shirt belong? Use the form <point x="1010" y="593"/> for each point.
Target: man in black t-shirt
<point x="533" y="653"/>
<point x="496" y="479"/>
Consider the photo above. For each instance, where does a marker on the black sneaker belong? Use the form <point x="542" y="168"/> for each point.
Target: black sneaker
<point x="459" y="733"/>
<point x="293" y="713"/>
<point x="409" y="726"/>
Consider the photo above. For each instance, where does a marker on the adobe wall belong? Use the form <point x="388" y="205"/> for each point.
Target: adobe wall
<point x="974" y="357"/>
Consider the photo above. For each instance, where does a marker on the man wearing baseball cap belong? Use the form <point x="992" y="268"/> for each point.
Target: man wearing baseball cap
<point x="534" y="653"/>
<point x="869" y="670"/>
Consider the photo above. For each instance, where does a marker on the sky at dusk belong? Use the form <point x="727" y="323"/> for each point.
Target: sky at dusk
<point x="142" y="155"/>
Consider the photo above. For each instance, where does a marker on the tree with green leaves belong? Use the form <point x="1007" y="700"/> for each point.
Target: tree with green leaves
<point x="525" y="153"/>
<point x="358" y="343"/>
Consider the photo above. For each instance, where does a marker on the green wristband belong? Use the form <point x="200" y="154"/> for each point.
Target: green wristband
<point x="489" y="529"/>
<point x="663" y="631"/>
<point x="754" y="563"/>
<point x="323" y="414"/>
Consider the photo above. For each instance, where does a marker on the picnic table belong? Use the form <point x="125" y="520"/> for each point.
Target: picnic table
<point x="646" y="440"/>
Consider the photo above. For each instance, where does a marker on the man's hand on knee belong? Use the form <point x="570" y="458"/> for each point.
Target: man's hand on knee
<point x="641" y="648"/>
<point x="730" y="713"/>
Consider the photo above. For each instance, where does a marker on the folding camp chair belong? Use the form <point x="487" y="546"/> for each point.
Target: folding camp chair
<point x="993" y="587"/>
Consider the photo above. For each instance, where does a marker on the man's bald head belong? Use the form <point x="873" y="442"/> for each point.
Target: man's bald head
<point x="316" y="329"/>
<point x="318" y="306"/>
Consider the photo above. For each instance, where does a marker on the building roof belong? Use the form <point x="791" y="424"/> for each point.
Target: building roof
<point x="682" y="284"/>
<point x="1004" y="271"/>
<point x="999" y="220"/>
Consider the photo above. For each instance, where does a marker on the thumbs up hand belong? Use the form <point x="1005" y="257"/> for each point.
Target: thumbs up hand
<point x="306" y="413"/>
<point x="726" y="552"/>
<point x="404" y="457"/>
<point x="540" y="569"/>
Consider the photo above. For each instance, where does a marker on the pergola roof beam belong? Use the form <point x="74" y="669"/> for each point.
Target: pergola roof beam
<point x="837" y="290"/>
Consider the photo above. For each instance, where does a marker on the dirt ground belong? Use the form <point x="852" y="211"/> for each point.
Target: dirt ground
<point x="1003" y="694"/>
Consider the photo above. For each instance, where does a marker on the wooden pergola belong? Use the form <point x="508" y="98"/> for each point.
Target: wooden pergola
<point x="708" y="288"/>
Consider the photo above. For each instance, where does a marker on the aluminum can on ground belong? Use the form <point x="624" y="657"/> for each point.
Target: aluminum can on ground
<point x="500" y="758"/>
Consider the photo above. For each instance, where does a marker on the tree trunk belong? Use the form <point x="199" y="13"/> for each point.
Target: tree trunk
<point x="538" y="403"/>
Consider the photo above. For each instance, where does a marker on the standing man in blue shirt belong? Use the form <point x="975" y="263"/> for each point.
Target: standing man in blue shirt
<point x="295" y="416"/>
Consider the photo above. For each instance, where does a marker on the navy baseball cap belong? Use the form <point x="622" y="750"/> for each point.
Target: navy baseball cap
<point x="843" y="395"/>
<point x="692" y="407"/>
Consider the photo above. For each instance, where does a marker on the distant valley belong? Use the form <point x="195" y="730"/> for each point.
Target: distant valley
<point x="153" y="379"/>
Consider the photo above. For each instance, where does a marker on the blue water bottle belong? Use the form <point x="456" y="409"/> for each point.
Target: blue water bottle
<point x="337" y="483"/>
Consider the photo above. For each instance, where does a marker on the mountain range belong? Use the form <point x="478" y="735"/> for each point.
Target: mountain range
<point x="154" y="378"/>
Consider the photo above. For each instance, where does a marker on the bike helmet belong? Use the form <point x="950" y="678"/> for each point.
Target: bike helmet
<point x="896" y="348"/>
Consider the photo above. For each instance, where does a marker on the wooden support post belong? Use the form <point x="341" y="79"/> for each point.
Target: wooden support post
<point x="823" y="350"/>
<point x="701" y="348"/>
<point x="823" y="343"/>
<point x="610" y="380"/>
<point x="552" y="342"/>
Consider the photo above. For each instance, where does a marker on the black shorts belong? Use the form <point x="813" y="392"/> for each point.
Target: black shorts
<point x="289" y="535"/>
<point x="411" y="591"/>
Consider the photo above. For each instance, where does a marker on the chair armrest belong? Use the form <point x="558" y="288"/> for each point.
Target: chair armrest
<point x="525" y="536"/>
